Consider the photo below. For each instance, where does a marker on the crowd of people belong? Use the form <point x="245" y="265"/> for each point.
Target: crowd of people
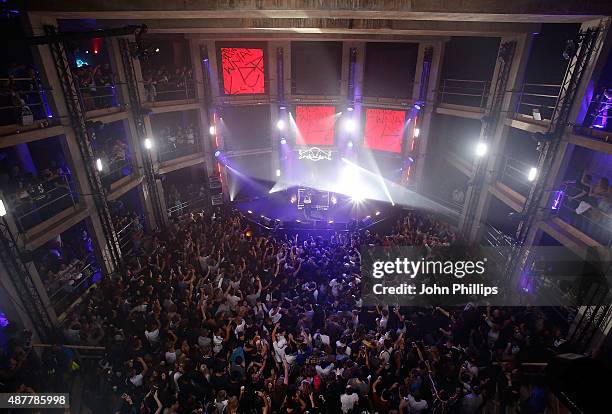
<point x="20" y="94"/>
<point x="176" y="137"/>
<point x="35" y="198"/>
<point x="66" y="266"/>
<point x="97" y="85"/>
<point x="209" y="319"/>
<point x="165" y="84"/>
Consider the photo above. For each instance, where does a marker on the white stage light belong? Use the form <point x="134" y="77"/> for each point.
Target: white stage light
<point x="212" y="130"/>
<point x="280" y="124"/>
<point x="417" y="131"/>
<point x="330" y="222"/>
<point x="533" y="173"/>
<point x="249" y="211"/>
<point x="2" y="209"/>
<point x="350" y="144"/>
<point x="278" y="173"/>
<point x="350" y="125"/>
<point x="148" y="143"/>
<point x="378" y="213"/>
<point x="99" y="165"/>
<point x="481" y="149"/>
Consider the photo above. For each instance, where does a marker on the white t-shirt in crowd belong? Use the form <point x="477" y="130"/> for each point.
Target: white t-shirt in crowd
<point x="348" y="401"/>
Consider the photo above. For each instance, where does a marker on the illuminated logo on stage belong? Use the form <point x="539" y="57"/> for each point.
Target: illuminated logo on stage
<point x="315" y="154"/>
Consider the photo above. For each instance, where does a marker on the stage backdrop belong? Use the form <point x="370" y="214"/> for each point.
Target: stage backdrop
<point x="243" y="70"/>
<point x="315" y="125"/>
<point x="384" y="129"/>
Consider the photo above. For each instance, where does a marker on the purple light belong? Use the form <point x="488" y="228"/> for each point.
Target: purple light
<point x="557" y="200"/>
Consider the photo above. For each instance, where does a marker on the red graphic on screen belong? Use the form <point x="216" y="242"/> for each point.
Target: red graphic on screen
<point x="243" y="70"/>
<point x="384" y="129"/>
<point x="315" y="125"/>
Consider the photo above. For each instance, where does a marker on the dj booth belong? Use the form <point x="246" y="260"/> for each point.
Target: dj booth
<point x="310" y="198"/>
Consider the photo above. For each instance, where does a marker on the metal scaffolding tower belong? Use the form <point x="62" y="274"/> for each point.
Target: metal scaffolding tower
<point x="76" y="110"/>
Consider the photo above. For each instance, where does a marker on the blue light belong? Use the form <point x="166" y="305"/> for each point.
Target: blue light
<point x="217" y="153"/>
<point x="80" y="63"/>
<point x="283" y="141"/>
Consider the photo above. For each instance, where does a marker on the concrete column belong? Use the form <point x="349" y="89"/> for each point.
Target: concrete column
<point x="426" y="114"/>
<point x="204" y="122"/>
<point x="275" y="111"/>
<point x="497" y="141"/>
<point x="216" y="93"/>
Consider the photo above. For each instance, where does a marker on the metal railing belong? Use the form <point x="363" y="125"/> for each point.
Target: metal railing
<point x="595" y="221"/>
<point x="126" y="235"/>
<point x="99" y="96"/>
<point x="515" y="174"/>
<point x="464" y="92"/>
<point x="71" y="283"/>
<point x="183" y="207"/>
<point x="22" y="106"/>
<point x="170" y="91"/>
<point x="41" y="204"/>
<point x="537" y="97"/>
<point x="177" y="150"/>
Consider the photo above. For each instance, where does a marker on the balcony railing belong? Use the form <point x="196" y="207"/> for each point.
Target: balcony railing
<point x="594" y="219"/>
<point x="70" y="283"/>
<point x="170" y="91"/>
<point x="538" y="98"/>
<point x="515" y="174"/>
<point x="23" y="102"/>
<point x="99" y="97"/>
<point x="183" y="207"/>
<point x="464" y="92"/>
<point x="178" y="150"/>
<point x="40" y="203"/>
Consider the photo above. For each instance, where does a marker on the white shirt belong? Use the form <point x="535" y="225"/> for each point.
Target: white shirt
<point x="348" y="401"/>
<point x="416" y="406"/>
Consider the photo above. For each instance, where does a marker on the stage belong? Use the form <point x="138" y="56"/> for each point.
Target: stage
<point x="278" y="211"/>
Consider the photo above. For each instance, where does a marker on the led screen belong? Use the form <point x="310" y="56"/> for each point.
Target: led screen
<point x="315" y="125"/>
<point x="243" y="70"/>
<point x="384" y="129"/>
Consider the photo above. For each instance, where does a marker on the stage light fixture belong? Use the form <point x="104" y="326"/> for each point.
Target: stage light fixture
<point x="2" y="209"/>
<point x="282" y="107"/>
<point x="481" y="149"/>
<point x="299" y="221"/>
<point x="148" y="143"/>
<point x="350" y="125"/>
<point x="533" y="173"/>
<point x="212" y="130"/>
<point x="280" y="125"/>
<point x="217" y="153"/>
<point x="378" y="213"/>
<point x="278" y="173"/>
<point x="249" y="211"/>
<point x="283" y="141"/>
<point x="350" y="144"/>
<point x="157" y="49"/>
<point x="330" y="222"/>
<point x="417" y="106"/>
<point x="99" y="165"/>
<point x="333" y="199"/>
<point x="417" y="132"/>
<point x="350" y="109"/>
